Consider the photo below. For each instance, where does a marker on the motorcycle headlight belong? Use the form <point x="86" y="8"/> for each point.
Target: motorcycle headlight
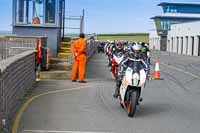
<point x="136" y="79"/>
<point x="148" y="53"/>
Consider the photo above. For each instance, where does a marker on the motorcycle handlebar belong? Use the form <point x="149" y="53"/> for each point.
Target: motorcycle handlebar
<point x="135" y="59"/>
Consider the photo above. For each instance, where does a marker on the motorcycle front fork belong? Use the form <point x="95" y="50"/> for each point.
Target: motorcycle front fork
<point x="129" y="95"/>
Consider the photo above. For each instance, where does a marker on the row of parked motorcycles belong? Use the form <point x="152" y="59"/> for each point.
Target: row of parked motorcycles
<point x="130" y="80"/>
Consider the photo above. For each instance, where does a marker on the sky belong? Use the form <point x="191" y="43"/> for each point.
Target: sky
<point x="103" y="16"/>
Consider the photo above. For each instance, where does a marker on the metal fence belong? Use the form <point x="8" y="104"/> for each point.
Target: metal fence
<point x="12" y="45"/>
<point x="91" y="47"/>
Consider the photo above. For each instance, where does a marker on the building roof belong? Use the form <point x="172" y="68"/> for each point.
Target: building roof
<point x="180" y="3"/>
<point x="178" y="15"/>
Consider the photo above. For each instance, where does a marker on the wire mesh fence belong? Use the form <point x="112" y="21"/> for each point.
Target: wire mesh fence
<point x="12" y="45"/>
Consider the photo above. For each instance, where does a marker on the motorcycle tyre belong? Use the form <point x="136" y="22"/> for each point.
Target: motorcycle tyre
<point x="131" y="109"/>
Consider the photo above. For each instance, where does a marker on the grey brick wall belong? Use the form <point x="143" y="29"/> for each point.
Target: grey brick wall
<point x="17" y="75"/>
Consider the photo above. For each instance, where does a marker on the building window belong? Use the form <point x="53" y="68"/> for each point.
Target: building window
<point x="50" y="11"/>
<point x="35" y="11"/>
<point x="168" y="25"/>
<point x="162" y="24"/>
<point x="27" y="11"/>
<point x="21" y="11"/>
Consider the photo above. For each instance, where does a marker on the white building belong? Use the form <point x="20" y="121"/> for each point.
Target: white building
<point x="175" y="13"/>
<point x="184" y="39"/>
<point x="154" y="40"/>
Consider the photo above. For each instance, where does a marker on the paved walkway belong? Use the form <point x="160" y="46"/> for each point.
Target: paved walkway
<point x="170" y="105"/>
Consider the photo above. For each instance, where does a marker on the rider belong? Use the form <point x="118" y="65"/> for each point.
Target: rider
<point x="134" y="52"/>
<point x="109" y="52"/>
<point x="117" y="48"/>
<point x="145" y="55"/>
<point x="144" y="50"/>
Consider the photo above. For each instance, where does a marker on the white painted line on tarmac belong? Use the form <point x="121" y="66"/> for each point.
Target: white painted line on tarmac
<point x="195" y="66"/>
<point x="56" y="131"/>
<point x="180" y="70"/>
<point x="27" y="103"/>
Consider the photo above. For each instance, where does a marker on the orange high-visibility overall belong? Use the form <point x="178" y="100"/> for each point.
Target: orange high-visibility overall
<point x="79" y="53"/>
<point x="38" y="52"/>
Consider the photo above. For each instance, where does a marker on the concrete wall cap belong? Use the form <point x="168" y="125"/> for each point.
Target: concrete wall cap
<point x="5" y="63"/>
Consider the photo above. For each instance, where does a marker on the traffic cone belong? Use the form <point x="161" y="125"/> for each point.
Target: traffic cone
<point x="156" y="74"/>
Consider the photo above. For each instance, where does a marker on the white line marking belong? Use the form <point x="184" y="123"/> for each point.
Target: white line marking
<point x="180" y="70"/>
<point x="52" y="131"/>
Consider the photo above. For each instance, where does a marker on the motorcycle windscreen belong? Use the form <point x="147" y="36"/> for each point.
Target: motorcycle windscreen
<point x="142" y="77"/>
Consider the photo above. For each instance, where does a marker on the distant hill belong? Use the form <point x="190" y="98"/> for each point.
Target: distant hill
<point x="5" y="32"/>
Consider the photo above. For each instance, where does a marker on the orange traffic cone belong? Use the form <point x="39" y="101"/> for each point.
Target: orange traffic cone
<point x="156" y="74"/>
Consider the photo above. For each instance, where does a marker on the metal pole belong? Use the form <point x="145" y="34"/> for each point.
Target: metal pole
<point x="82" y="22"/>
<point x="63" y="26"/>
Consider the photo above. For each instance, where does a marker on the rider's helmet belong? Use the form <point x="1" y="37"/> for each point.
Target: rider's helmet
<point x="136" y="50"/>
<point x="112" y="42"/>
<point x="136" y="47"/>
<point x="119" y="46"/>
<point x="143" y="44"/>
<point x="147" y="45"/>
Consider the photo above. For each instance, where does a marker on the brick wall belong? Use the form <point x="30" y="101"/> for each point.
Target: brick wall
<point x="17" y="75"/>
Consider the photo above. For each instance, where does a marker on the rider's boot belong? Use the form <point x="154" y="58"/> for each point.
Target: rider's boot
<point x="116" y="94"/>
<point x="118" y="84"/>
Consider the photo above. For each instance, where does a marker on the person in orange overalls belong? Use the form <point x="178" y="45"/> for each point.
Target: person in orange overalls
<point x="38" y="55"/>
<point x="79" y="54"/>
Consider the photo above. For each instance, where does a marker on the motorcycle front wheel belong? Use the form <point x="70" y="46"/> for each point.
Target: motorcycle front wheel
<point x="131" y="109"/>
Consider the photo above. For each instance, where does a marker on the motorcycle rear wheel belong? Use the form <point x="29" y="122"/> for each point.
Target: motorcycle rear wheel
<point x="131" y="109"/>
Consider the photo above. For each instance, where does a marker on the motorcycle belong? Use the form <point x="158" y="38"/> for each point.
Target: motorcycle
<point x="116" y="60"/>
<point x="109" y="54"/>
<point x="132" y="86"/>
<point x="101" y="47"/>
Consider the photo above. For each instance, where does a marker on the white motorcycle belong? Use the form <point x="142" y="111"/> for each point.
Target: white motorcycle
<point x="132" y="86"/>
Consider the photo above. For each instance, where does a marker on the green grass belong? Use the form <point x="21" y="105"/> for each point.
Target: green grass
<point x="140" y="37"/>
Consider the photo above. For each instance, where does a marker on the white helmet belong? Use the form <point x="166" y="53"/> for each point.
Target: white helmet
<point x="136" y="47"/>
<point x="146" y="45"/>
